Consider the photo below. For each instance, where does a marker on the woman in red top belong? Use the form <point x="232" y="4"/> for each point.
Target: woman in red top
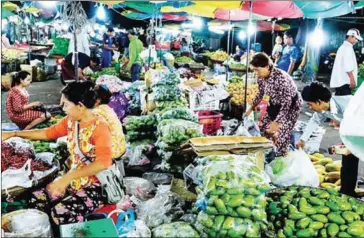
<point x="20" y="111"/>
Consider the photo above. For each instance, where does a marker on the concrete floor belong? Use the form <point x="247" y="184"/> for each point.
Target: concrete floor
<point x="48" y="92"/>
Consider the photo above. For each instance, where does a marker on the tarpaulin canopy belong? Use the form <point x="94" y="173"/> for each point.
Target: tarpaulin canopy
<point x="236" y="15"/>
<point x="260" y="25"/>
<point x="284" y="9"/>
<point x="5" y="13"/>
<point x="325" y="9"/>
<point x="165" y="16"/>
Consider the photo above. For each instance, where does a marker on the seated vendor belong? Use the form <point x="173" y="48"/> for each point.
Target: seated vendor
<point x="20" y="111"/>
<point x="84" y="61"/>
<point x="78" y="192"/>
<point x="108" y="114"/>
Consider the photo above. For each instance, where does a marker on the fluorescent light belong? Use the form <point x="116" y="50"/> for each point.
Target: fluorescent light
<point x="101" y="13"/>
<point x="26" y="21"/>
<point x="197" y="22"/>
<point x="279" y="18"/>
<point x="317" y="37"/>
<point x="251" y="29"/>
<point x="216" y="30"/>
<point x="48" y="4"/>
<point x="242" y="35"/>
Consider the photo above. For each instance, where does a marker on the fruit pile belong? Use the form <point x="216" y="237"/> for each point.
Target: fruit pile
<point x="41" y="146"/>
<point x="11" y="54"/>
<point x="310" y="212"/>
<point x="176" y="132"/>
<point x="237" y="66"/>
<point x="219" y="56"/>
<point x="184" y="60"/>
<point x="237" y="91"/>
<point x="51" y="122"/>
<point x="180" y="113"/>
<point x="168" y="105"/>
<point x="138" y="127"/>
<point x="235" y="79"/>
<point x="327" y="169"/>
<point x="232" y="189"/>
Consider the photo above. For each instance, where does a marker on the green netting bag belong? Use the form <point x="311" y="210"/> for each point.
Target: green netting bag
<point x="60" y="46"/>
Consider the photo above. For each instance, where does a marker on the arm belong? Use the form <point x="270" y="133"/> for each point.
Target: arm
<point x="352" y="79"/>
<point x="294" y="57"/>
<point x="259" y="97"/>
<point x="291" y="67"/>
<point x="316" y="120"/>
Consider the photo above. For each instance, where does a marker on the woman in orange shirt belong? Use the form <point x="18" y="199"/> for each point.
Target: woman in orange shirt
<point x="78" y="192"/>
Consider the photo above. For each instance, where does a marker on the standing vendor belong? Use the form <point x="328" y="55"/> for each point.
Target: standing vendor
<point x="320" y="100"/>
<point x="285" y="102"/>
<point x="108" y="48"/>
<point x="135" y="48"/>
<point x="78" y="192"/>
<point x="185" y="48"/>
<point x="84" y="61"/>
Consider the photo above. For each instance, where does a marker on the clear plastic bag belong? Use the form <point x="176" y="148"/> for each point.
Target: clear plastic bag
<point x="167" y="78"/>
<point x="294" y="169"/>
<point x="180" y="113"/>
<point x="136" y="155"/>
<point x="231" y="194"/>
<point x="139" y="187"/>
<point x="17" y="177"/>
<point x="165" y="207"/>
<point x="21" y="145"/>
<point x="175" y="229"/>
<point x="140" y="230"/>
<point x="166" y="93"/>
<point x="46" y="157"/>
<point x="158" y="178"/>
<point x="177" y="132"/>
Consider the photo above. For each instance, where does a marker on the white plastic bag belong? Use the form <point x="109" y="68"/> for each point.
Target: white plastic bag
<point x="352" y="126"/>
<point x="294" y="169"/>
<point x="17" y="177"/>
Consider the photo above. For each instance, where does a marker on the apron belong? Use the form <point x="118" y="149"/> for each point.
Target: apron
<point x="106" y="54"/>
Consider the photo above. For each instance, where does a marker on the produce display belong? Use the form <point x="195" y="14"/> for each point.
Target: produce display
<point x="60" y="46"/>
<point x="232" y="190"/>
<point x="180" y="113"/>
<point x="134" y="93"/>
<point x="327" y="169"/>
<point x="184" y="60"/>
<point x="49" y="123"/>
<point x="166" y="106"/>
<point x="309" y="212"/>
<point x="176" y="132"/>
<point x="237" y="91"/>
<point x="105" y="71"/>
<point x="171" y="80"/>
<point x="166" y="93"/>
<point x="236" y="79"/>
<point x="237" y="66"/>
<point x="219" y="56"/>
<point x="138" y="127"/>
<point x="41" y="146"/>
<point x="175" y="229"/>
<point x="11" y="54"/>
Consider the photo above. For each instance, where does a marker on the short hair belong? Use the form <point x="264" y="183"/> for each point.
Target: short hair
<point x="17" y="77"/>
<point x="110" y="29"/>
<point x="103" y="93"/>
<point x="95" y="59"/>
<point x="131" y="32"/>
<point x="315" y="92"/>
<point x="261" y="60"/>
<point x="288" y="34"/>
<point x="81" y="92"/>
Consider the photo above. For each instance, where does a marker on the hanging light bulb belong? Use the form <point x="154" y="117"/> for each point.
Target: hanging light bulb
<point x="101" y="13"/>
<point x="26" y="21"/>
<point x="242" y="35"/>
<point x="251" y="29"/>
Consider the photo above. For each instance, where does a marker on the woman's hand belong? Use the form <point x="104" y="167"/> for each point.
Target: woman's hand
<point x="301" y="144"/>
<point x="58" y="188"/>
<point x="247" y="113"/>
<point x="273" y="128"/>
<point x="34" y="104"/>
<point x="7" y="135"/>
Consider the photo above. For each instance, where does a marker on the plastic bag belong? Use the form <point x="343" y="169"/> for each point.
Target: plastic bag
<point x="17" y="177"/>
<point x="21" y="145"/>
<point x="251" y="126"/>
<point x="32" y="223"/>
<point x="46" y="157"/>
<point x="127" y="226"/>
<point x="177" y="132"/>
<point x="113" y="83"/>
<point x="9" y="127"/>
<point x="231" y="189"/>
<point x="352" y="127"/>
<point x="163" y="208"/>
<point x="180" y="113"/>
<point x="141" y="230"/>
<point x="60" y="46"/>
<point x="139" y="187"/>
<point x="172" y="79"/>
<point x="136" y="155"/>
<point x="120" y="104"/>
<point x="175" y="229"/>
<point x="294" y="169"/>
<point x="166" y="93"/>
<point x="158" y="178"/>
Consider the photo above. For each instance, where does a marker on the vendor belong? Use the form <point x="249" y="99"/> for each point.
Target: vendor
<point x="185" y="48"/>
<point x="320" y="100"/>
<point x="84" y="61"/>
<point x="108" y="48"/>
<point x="83" y="44"/>
<point x="238" y="53"/>
<point x="108" y="114"/>
<point x="285" y="102"/>
<point x="78" y="192"/>
<point x="134" y="64"/>
<point x="20" y="111"/>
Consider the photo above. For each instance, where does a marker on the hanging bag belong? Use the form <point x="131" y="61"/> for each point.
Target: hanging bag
<point x="110" y="179"/>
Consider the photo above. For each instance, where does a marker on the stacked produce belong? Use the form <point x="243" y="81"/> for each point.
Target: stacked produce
<point x="232" y="190"/>
<point x="180" y="113"/>
<point x="237" y="91"/>
<point x="167" y="89"/>
<point x="327" y="169"/>
<point x="134" y="93"/>
<point x="105" y="71"/>
<point x="51" y="122"/>
<point x="139" y="127"/>
<point x="310" y="212"/>
<point x="41" y="146"/>
<point x="184" y="60"/>
<point x="219" y="55"/>
<point x="175" y="229"/>
<point x="237" y="66"/>
<point x="236" y="79"/>
<point x="60" y="46"/>
<point x="11" y="54"/>
<point x="168" y="105"/>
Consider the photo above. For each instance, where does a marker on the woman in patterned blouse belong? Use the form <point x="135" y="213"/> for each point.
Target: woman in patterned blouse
<point x="284" y="104"/>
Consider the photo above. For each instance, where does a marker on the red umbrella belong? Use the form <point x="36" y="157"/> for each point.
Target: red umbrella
<point x="283" y="9"/>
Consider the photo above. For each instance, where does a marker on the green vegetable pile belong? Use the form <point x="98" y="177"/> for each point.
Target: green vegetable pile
<point x="166" y="93"/>
<point x="175" y="229"/>
<point x="133" y="91"/>
<point x="237" y="66"/>
<point x="41" y="146"/>
<point x="184" y="60"/>
<point x="60" y="46"/>
<point x="139" y="127"/>
<point x="180" y="113"/>
<point x="235" y="79"/>
<point x="163" y="107"/>
<point x="171" y="79"/>
<point x="232" y="188"/>
<point x="105" y="71"/>
<point x="49" y="123"/>
<point x="310" y="212"/>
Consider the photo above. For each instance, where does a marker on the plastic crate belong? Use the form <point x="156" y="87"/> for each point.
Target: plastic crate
<point x="196" y="103"/>
<point x="210" y="120"/>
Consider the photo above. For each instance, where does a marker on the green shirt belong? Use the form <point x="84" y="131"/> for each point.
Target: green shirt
<point x="135" y="48"/>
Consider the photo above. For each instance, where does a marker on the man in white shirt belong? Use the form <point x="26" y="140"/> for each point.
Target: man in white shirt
<point x="320" y="100"/>
<point x="345" y="71"/>
<point x="83" y="45"/>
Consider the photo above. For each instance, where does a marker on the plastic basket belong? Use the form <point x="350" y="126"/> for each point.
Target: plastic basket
<point x="196" y="103"/>
<point x="210" y="120"/>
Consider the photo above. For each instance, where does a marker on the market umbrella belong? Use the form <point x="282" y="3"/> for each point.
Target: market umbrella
<point x="5" y="13"/>
<point x="283" y="9"/>
<point x="235" y="15"/>
<point x="10" y="6"/>
<point x="325" y="9"/>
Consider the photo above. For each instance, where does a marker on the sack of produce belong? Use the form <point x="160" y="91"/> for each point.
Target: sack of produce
<point x="180" y="113"/>
<point x="60" y="46"/>
<point x="172" y="79"/>
<point x="168" y="105"/>
<point x="136" y="155"/>
<point x="140" y="123"/>
<point x="175" y="229"/>
<point x="139" y="187"/>
<point x="231" y="191"/>
<point x="176" y="132"/>
<point x="293" y="169"/>
<point x="310" y="212"/>
<point x="166" y="93"/>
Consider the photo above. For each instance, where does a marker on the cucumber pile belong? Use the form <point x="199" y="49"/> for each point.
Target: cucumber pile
<point x="232" y="190"/>
<point x="139" y="127"/>
<point x="310" y="212"/>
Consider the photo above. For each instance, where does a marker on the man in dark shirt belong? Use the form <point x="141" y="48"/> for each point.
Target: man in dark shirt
<point x="68" y="68"/>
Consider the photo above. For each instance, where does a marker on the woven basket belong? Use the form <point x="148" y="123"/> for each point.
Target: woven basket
<point x="17" y="191"/>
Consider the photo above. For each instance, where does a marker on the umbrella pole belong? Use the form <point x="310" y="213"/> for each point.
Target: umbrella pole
<point x="228" y="51"/>
<point x="248" y="56"/>
<point x="75" y="54"/>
